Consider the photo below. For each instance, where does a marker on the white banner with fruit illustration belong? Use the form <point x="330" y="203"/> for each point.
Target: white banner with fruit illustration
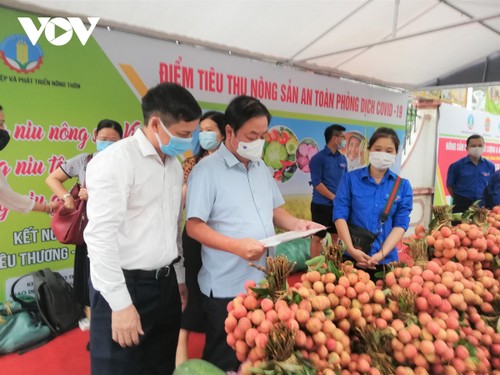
<point x="57" y="95"/>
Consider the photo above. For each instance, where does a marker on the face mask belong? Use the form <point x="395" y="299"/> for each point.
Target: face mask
<point x="176" y="145"/>
<point x="382" y="160"/>
<point x="101" y="145"/>
<point x="476" y="151"/>
<point x="4" y="138"/>
<point x="208" y="140"/>
<point x="342" y="144"/>
<point x="251" y="150"/>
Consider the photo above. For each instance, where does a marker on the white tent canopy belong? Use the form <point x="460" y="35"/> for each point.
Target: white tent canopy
<point x="406" y="44"/>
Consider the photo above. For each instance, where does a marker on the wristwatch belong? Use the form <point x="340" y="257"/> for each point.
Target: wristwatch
<point x="67" y="195"/>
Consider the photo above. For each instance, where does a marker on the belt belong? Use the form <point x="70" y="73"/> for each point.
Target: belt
<point x="157" y="274"/>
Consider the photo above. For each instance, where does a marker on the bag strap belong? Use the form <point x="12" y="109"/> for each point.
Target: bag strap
<point x="40" y="278"/>
<point x="390" y="202"/>
<point x="89" y="158"/>
<point x="24" y="304"/>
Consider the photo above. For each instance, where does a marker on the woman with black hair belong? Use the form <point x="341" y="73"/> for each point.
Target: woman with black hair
<point x="106" y="133"/>
<point x="212" y="133"/>
<point x="362" y="198"/>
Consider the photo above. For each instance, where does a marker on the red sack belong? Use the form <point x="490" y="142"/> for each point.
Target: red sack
<point x="68" y="226"/>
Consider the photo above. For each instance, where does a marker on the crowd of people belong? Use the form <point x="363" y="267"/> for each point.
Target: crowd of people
<point x="148" y="283"/>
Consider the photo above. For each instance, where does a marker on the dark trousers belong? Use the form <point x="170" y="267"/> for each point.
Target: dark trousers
<point x="192" y="317"/>
<point x="216" y="350"/>
<point x="159" y="306"/>
<point x="461" y="204"/>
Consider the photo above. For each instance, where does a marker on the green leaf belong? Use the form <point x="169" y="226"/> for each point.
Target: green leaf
<point x="296" y="297"/>
<point x="261" y="292"/>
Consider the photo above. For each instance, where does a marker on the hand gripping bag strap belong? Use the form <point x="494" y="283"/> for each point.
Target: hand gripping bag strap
<point x="392" y="197"/>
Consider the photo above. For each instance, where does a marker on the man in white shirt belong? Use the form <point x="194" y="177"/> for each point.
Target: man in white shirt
<point x="133" y="239"/>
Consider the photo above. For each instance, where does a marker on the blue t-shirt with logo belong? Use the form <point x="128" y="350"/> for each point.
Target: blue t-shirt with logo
<point x="327" y="168"/>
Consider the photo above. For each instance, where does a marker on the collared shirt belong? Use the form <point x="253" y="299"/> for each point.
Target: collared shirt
<point x="12" y="200"/>
<point x="360" y="201"/>
<point x="327" y="168"/>
<point x="493" y="190"/>
<point x="469" y="180"/>
<point x="76" y="167"/>
<point x="134" y="211"/>
<point x="236" y="202"/>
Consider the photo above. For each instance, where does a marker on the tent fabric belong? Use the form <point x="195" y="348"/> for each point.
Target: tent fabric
<point x="407" y="44"/>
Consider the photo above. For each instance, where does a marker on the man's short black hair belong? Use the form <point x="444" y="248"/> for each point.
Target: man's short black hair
<point x="243" y="108"/>
<point x="172" y="102"/>
<point x="474" y="136"/>
<point x="333" y="130"/>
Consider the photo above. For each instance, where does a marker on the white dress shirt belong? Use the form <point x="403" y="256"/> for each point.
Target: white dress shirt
<point x="12" y="200"/>
<point x="134" y="212"/>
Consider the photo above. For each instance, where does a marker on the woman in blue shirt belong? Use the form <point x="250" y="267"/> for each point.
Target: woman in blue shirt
<point x="362" y="197"/>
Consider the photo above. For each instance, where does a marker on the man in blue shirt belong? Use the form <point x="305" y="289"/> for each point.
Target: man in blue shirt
<point x="467" y="177"/>
<point x="327" y="169"/>
<point x="232" y="203"/>
<point x="492" y="191"/>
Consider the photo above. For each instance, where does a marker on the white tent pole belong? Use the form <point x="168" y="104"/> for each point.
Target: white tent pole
<point x="330" y="29"/>
<point x="454" y="7"/>
<point x="473" y="20"/>
<point x="395" y="19"/>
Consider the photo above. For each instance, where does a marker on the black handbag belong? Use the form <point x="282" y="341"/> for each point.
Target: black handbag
<point x="362" y="238"/>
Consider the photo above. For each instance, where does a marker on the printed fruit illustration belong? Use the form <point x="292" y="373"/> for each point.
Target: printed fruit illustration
<point x="280" y="148"/>
<point x="291" y="146"/>
<point x="306" y="150"/>
<point x="275" y="152"/>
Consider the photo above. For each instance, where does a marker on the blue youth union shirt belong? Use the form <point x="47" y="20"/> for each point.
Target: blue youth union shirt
<point x="469" y="180"/>
<point x="360" y="201"/>
<point x="236" y="202"/>
<point x="327" y="168"/>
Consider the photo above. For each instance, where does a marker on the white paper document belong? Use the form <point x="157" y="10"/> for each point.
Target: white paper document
<point x="288" y="236"/>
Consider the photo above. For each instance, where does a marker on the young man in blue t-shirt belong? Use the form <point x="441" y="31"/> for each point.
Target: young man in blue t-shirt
<point x="467" y="177"/>
<point x="327" y="169"/>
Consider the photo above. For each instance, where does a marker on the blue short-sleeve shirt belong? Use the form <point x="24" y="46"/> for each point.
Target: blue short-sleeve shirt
<point x="360" y="201"/>
<point x="327" y="168"/>
<point x="493" y="189"/>
<point x="469" y="180"/>
<point x="236" y="202"/>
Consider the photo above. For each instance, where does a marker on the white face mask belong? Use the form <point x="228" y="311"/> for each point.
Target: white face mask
<point x="251" y="150"/>
<point x="476" y="151"/>
<point x="381" y="160"/>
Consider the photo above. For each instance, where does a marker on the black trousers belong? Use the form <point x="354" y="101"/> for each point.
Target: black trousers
<point x="159" y="306"/>
<point x="461" y="204"/>
<point x="192" y="317"/>
<point x="216" y="350"/>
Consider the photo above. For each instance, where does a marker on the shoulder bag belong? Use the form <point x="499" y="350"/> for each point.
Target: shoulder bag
<point x="68" y="226"/>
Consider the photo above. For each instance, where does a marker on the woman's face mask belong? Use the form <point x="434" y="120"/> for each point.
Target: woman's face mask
<point x="4" y="138"/>
<point x="101" y="145"/>
<point x="208" y="140"/>
<point x="381" y="160"/>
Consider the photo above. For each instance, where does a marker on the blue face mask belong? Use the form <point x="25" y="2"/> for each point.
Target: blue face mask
<point x="208" y="140"/>
<point x="176" y="145"/>
<point x="101" y="145"/>
<point x="342" y="144"/>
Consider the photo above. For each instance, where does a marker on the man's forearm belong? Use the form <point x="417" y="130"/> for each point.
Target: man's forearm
<point x="323" y="190"/>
